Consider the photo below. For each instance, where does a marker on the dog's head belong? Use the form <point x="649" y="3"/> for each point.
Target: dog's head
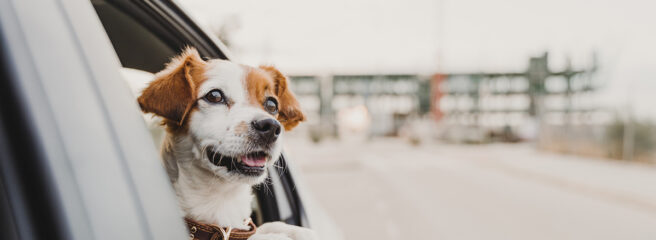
<point x="235" y="115"/>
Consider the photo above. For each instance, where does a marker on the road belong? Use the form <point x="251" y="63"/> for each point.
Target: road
<point x="388" y="189"/>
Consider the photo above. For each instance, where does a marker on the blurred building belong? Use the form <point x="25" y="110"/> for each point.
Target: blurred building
<point x="488" y="104"/>
<point x="390" y="100"/>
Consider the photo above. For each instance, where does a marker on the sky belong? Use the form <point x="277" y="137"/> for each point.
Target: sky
<point x="426" y="36"/>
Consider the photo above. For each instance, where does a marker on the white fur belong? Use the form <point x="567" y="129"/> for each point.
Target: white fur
<point x="208" y="193"/>
<point x="272" y="230"/>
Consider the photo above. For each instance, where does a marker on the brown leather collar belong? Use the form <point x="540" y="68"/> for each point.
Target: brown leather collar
<point x="200" y="231"/>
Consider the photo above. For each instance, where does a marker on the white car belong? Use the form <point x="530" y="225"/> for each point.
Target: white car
<point x="76" y="159"/>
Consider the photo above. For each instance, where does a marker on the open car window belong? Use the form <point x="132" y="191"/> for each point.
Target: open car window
<point x="138" y="44"/>
<point x="144" y="38"/>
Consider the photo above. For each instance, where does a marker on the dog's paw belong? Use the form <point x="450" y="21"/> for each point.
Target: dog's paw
<point x="290" y="231"/>
<point x="269" y="236"/>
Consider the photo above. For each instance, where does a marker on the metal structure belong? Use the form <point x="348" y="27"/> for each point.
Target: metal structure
<point x="389" y="99"/>
<point x="469" y="98"/>
<point x="486" y="100"/>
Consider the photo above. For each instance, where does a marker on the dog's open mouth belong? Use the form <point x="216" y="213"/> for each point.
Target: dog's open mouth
<point x="251" y="164"/>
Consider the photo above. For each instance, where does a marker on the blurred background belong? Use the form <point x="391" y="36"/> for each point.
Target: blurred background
<point x="468" y="119"/>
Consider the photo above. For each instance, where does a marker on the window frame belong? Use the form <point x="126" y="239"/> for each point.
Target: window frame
<point x="169" y="14"/>
<point x="117" y="191"/>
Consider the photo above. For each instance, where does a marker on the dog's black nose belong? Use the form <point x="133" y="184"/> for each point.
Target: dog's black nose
<point x="268" y="129"/>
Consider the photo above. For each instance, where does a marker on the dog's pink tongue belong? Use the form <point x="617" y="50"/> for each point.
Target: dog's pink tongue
<point x="254" y="161"/>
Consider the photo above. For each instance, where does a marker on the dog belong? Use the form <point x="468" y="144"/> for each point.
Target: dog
<point x="224" y="126"/>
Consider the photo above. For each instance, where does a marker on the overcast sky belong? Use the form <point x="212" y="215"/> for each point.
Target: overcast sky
<point x="411" y="36"/>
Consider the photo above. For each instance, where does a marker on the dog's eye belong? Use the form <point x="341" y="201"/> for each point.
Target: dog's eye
<point x="214" y="96"/>
<point x="271" y="105"/>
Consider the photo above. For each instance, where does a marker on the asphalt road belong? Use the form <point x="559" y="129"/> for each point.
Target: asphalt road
<point x="388" y="189"/>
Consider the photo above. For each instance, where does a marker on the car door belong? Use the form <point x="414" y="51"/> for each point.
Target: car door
<point x="145" y="35"/>
<point x="79" y="163"/>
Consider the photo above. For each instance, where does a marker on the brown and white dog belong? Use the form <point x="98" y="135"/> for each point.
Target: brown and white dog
<point x="224" y="124"/>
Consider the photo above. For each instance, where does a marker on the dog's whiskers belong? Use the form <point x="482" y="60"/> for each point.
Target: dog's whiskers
<point x="281" y="169"/>
<point x="203" y="151"/>
<point x="268" y="190"/>
<point x="220" y="158"/>
<point x="235" y="167"/>
<point x="265" y="186"/>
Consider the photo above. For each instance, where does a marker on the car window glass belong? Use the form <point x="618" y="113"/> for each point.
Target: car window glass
<point x="136" y="45"/>
<point x="284" y="207"/>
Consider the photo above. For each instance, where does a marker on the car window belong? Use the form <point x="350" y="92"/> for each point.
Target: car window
<point x="137" y="46"/>
<point x="144" y="47"/>
<point x="284" y="205"/>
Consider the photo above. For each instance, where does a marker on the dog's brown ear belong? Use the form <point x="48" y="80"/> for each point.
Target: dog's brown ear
<point x="172" y="93"/>
<point x="289" y="113"/>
